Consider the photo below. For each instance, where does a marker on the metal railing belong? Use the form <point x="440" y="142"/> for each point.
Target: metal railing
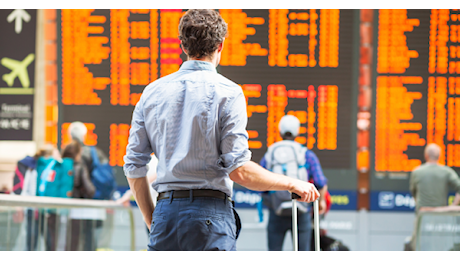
<point x="438" y="230"/>
<point x="59" y="224"/>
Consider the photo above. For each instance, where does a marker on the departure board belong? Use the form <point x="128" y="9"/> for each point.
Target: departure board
<point x="417" y="92"/>
<point x="299" y="62"/>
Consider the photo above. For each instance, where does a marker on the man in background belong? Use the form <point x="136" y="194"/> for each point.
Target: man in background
<point x="290" y="158"/>
<point x="430" y="183"/>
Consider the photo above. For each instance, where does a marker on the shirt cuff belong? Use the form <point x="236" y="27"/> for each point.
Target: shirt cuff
<point x="235" y="162"/>
<point x="131" y="171"/>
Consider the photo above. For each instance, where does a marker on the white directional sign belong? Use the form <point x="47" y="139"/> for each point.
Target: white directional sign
<point x="17" y="73"/>
<point x="18" y="15"/>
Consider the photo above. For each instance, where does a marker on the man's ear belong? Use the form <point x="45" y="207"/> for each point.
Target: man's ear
<point x="221" y="46"/>
<point x="182" y="47"/>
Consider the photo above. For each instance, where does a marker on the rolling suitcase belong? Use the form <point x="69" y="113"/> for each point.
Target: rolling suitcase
<point x="295" y="240"/>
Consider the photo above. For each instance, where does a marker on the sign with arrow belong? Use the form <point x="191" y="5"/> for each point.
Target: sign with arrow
<point x="17" y="73"/>
<point x="18" y="15"/>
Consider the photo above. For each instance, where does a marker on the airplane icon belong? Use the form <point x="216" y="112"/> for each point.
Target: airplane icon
<point x="18" y="69"/>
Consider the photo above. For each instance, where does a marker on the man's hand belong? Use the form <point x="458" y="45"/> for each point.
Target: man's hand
<point x="306" y="191"/>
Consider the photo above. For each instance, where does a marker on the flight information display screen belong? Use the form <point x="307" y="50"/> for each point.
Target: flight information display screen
<point x="417" y="92"/>
<point x="299" y="62"/>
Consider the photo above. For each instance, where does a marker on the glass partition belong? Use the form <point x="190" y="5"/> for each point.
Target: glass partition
<point x="57" y="224"/>
<point x="438" y="231"/>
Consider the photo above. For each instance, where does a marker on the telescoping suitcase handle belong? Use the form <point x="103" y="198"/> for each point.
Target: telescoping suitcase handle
<point x="294" y="222"/>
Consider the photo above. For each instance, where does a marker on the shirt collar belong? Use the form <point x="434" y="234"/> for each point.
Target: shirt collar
<point x="197" y="65"/>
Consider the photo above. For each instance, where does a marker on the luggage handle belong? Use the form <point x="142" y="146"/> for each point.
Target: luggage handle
<point x="295" y="196"/>
<point x="294" y="222"/>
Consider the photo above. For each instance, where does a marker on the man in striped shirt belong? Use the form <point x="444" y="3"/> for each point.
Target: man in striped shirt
<point x="194" y="120"/>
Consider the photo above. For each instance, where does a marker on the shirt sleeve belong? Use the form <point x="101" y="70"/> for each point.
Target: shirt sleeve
<point x="314" y="170"/>
<point x="234" y="137"/>
<point x="138" y="149"/>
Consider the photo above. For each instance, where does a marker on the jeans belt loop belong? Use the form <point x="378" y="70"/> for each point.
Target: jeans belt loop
<point x="191" y="196"/>
<point x="171" y="195"/>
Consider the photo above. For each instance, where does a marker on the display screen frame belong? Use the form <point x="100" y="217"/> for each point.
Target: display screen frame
<point x="339" y="179"/>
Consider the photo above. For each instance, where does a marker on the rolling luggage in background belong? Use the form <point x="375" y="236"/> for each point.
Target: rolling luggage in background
<point x="295" y="238"/>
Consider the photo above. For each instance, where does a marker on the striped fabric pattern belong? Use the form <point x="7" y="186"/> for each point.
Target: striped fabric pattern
<point x="194" y="121"/>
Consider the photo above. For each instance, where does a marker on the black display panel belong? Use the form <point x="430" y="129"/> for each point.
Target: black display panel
<point x="300" y="62"/>
<point x="416" y="92"/>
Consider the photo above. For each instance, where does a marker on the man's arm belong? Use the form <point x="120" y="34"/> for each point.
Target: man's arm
<point x="456" y="199"/>
<point x="454" y="183"/>
<point x="137" y="156"/>
<point x="125" y="199"/>
<point x="254" y="177"/>
<point x="454" y="180"/>
<point x="412" y="186"/>
<point x="235" y="156"/>
<point x="141" y="192"/>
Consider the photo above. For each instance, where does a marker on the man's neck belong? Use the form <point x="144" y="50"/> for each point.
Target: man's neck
<point x="214" y="58"/>
<point x="432" y="162"/>
<point x="207" y="59"/>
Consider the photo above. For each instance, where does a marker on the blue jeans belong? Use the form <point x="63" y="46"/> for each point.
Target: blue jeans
<point x="183" y="224"/>
<point x="278" y="225"/>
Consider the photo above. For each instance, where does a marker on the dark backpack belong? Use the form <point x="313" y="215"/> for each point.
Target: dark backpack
<point x="102" y="177"/>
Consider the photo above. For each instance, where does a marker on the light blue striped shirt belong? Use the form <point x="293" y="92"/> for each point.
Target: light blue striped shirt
<point x="194" y="120"/>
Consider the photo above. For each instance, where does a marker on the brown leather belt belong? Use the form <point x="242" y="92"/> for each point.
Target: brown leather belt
<point x="194" y="193"/>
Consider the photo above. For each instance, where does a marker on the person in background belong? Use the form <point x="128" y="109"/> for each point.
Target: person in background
<point x="286" y="151"/>
<point x="49" y="220"/>
<point x="80" y="235"/>
<point x="429" y="184"/>
<point x="77" y="130"/>
<point x="25" y="184"/>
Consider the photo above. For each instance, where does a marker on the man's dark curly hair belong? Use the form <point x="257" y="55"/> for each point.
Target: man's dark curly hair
<point x="201" y="31"/>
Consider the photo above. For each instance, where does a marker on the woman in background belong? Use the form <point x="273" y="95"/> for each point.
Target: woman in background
<point x="25" y="184"/>
<point x="83" y="189"/>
